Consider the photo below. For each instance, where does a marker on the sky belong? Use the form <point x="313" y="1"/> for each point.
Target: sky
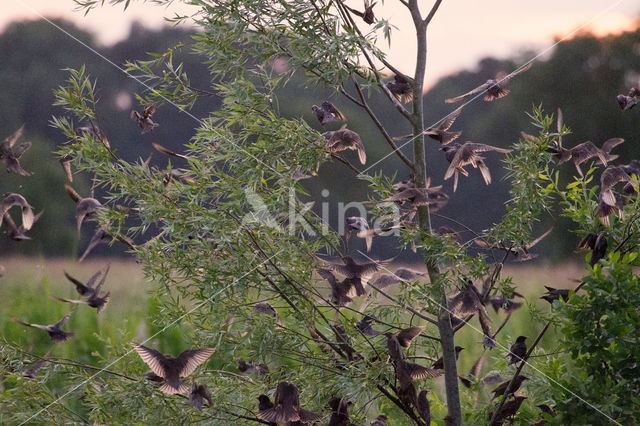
<point x="462" y="32"/>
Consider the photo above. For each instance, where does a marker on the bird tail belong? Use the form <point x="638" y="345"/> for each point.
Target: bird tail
<point x="282" y="414"/>
<point x="500" y="94"/>
<point x="449" y="137"/>
<point x="182" y="388"/>
<point x="486" y="174"/>
<point x="608" y="197"/>
<point x="455" y="181"/>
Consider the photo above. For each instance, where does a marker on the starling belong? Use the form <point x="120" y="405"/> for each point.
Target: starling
<point x="459" y="156"/>
<point x="467" y="301"/>
<point x="13" y="199"/>
<point x="630" y="100"/>
<point x="345" y="139"/>
<point x="509" y="409"/>
<point x="500" y="390"/>
<point x="87" y="288"/>
<point x="401" y="275"/>
<point x="339" y="412"/>
<point x="441" y="132"/>
<point x="408" y="335"/>
<point x="585" y="151"/>
<point x="100" y="236"/>
<point x="415" y="197"/>
<point x="422" y="405"/>
<point x="173" y="369"/>
<point x="518" y="350"/>
<point x="357" y="223"/>
<point x="287" y="407"/>
<point x="605" y="210"/>
<point x="11" y="156"/>
<point x="401" y="88"/>
<point x="367" y="16"/>
<point x="198" y="395"/>
<point x="144" y="120"/>
<point x="327" y="113"/>
<point x="609" y="178"/>
<point x="341" y="291"/>
<point x="94" y="299"/>
<point x="508" y="305"/>
<point x="364" y="325"/>
<point x="494" y="87"/>
<point x="167" y="151"/>
<point x="35" y="367"/>
<point x="555" y="294"/>
<point x="598" y="245"/>
<point x="360" y="273"/>
<point x="264" y="308"/>
<point x="520" y="253"/>
<point x="55" y="330"/>
<point x="250" y="367"/>
<point x="439" y="364"/>
<point x="381" y="420"/>
<point x="18" y="233"/>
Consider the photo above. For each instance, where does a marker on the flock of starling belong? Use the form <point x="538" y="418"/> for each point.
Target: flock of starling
<point x="347" y="278"/>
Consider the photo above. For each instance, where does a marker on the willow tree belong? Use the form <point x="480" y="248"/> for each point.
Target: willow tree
<point x="234" y="246"/>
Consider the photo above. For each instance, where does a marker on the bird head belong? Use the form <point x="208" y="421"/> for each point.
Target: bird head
<point x="521" y="339"/>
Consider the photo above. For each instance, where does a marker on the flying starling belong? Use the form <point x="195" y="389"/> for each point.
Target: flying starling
<point x="401" y="88"/>
<point x="94" y="299"/>
<point x="441" y="132"/>
<point x="173" y="369"/>
<point x="144" y="120"/>
<point x="87" y="289"/>
<point x="555" y="294"/>
<point x="401" y="275"/>
<point x="339" y="412"/>
<point x="341" y="291"/>
<point x="367" y="16"/>
<point x="518" y="350"/>
<point x="251" y="367"/>
<point x="13" y="199"/>
<point x="507" y="305"/>
<point x="415" y="197"/>
<point x="630" y="100"/>
<point x="11" y="156"/>
<point x="359" y="272"/>
<point x="18" y="233"/>
<point x="460" y="156"/>
<point x="365" y="326"/>
<point x="585" y="151"/>
<point x="167" y="151"/>
<point x="509" y="409"/>
<point x="494" y="87"/>
<point x="605" y="210"/>
<point x="345" y="139"/>
<point x="466" y="301"/>
<point x="286" y="408"/>
<point x="611" y="176"/>
<point x="500" y="390"/>
<point x="357" y="223"/>
<point x="408" y="335"/>
<point x="198" y="395"/>
<point x="100" y="236"/>
<point x="55" y="330"/>
<point x="598" y="245"/>
<point x="327" y="113"/>
<point x="521" y="253"/>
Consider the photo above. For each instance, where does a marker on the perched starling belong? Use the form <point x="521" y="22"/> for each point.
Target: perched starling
<point x="555" y="294"/>
<point x="250" y="367"/>
<point x="509" y="409"/>
<point x="598" y="245"/>
<point x="381" y="420"/>
<point x="439" y="364"/>
<point x="367" y="15"/>
<point x="502" y="388"/>
<point x="460" y="156"/>
<point x="264" y="308"/>
<point x="341" y="291"/>
<point x="287" y="407"/>
<point x="55" y="330"/>
<point x="360" y="273"/>
<point x="630" y="100"/>
<point x="365" y="326"/>
<point x="173" y="369"/>
<point x="422" y="405"/>
<point x="345" y="139"/>
<point x="13" y="199"/>
<point x="518" y="350"/>
<point x="401" y="88"/>
<point x="609" y="178"/>
<point x="11" y="156"/>
<point x="357" y="223"/>
<point x="494" y="87"/>
<point x="327" y="113"/>
<point x="339" y="412"/>
<point x="198" y="395"/>
<point x="94" y="299"/>
<point x="18" y="233"/>
<point x="144" y="120"/>
<point x="441" y="132"/>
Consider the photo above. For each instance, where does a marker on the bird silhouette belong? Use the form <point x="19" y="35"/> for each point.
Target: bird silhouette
<point x="55" y="330"/>
<point x="598" y="245"/>
<point x="18" y="233"/>
<point x="502" y="388"/>
<point x="357" y="223"/>
<point x="509" y="409"/>
<point x="555" y="294"/>
<point x="628" y="101"/>
<point x="339" y="412"/>
<point x="366" y="15"/>
<point x="441" y="132"/>
<point x="365" y="326"/>
<point x="494" y="87"/>
<point x="517" y="351"/>
<point x="401" y="88"/>
<point x="611" y="176"/>
<point x="327" y="113"/>
<point x="173" y="369"/>
<point x="345" y="139"/>
<point x="381" y="420"/>
<point x="16" y="200"/>
<point x="360" y="273"/>
<point x="286" y="407"/>
<point x="460" y="156"/>
<point x="94" y="299"/>
<point x="10" y="154"/>
<point x="251" y="367"/>
<point x="144" y="120"/>
<point x="198" y="395"/>
<point x="342" y="292"/>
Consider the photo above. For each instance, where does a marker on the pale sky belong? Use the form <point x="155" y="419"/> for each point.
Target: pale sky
<point x="462" y="32"/>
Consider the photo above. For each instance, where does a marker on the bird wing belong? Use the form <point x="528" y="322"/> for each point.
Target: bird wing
<point x="385" y="280"/>
<point x="154" y="359"/>
<point x="418" y="372"/>
<point x="537" y="240"/>
<point x="77" y="301"/>
<point x="21" y="149"/>
<point x="96" y="239"/>
<point x="12" y="225"/>
<point x="82" y="289"/>
<point x="103" y="279"/>
<point x="503" y="80"/>
<point x="64" y="319"/>
<point x="10" y="141"/>
<point x="613" y="175"/>
<point x="408" y="335"/>
<point x="167" y="151"/>
<point x="582" y="152"/>
<point x="448" y="121"/>
<point x="72" y="193"/>
<point x="475" y="91"/>
<point x="331" y="109"/>
<point x="480" y="147"/>
<point x="190" y="359"/>
<point x="609" y="144"/>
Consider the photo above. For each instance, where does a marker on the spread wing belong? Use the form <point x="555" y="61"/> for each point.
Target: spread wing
<point x="190" y="359"/>
<point x="418" y="372"/>
<point x="10" y="141"/>
<point x="475" y="91"/>
<point x="537" y="240"/>
<point x="77" y="301"/>
<point x="406" y="336"/>
<point x="609" y="144"/>
<point x="154" y="359"/>
<point x="449" y="120"/>
<point x="22" y="148"/>
<point x="64" y="319"/>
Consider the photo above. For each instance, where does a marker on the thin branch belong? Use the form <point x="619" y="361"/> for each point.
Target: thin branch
<point x="432" y="12"/>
